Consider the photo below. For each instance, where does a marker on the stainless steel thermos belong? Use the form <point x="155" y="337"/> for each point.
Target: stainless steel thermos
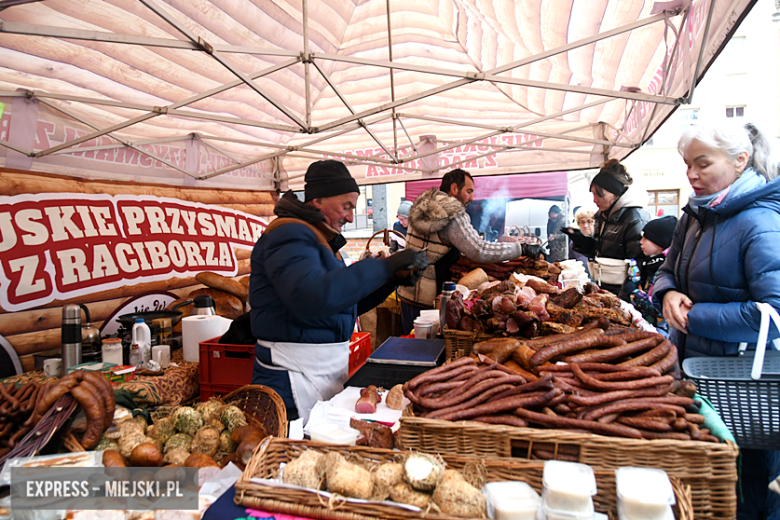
<point x="71" y="336"/>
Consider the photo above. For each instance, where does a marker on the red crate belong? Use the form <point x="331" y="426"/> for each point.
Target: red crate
<point x="223" y="367"/>
<point x="224" y="364"/>
<point x="208" y="391"/>
<point x="359" y="350"/>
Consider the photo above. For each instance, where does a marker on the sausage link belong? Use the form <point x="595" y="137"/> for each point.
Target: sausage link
<point x="649" y="358"/>
<point x="694" y="418"/>
<point x="619" y="385"/>
<point x="425" y="376"/>
<point x="107" y="391"/>
<point x="569" y="347"/>
<point x="91" y="406"/>
<point x="609" y="397"/>
<point x="483" y="384"/>
<point x="505" y="419"/>
<point x="477" y="399"/>
<point x="18" y="436"/>
<point x="667" y="363"/>
<point x="680" y="425"/>
<point x="630" y="337"/>
<point x="544" y="384"/>
<point x="628" y="375"/>
<point x="632" y="405"/>
<point x="501" y="405"/>
<point x="23" y="395"/>
<point x="679" y="436"/>
<point x="53" y="394"/>
<point x="544" y="341"/>
<point x="515" y="367"/>
<point x="708" y="438"/>
<point x="614" y="353"/>
<point x="590" y="367"/>
<point x="644" y="423"/>
<point x="8" y="397"/>
<point x="616" y="430"/>
<point x="98" y="397"/>
<point x="432" y="388"/>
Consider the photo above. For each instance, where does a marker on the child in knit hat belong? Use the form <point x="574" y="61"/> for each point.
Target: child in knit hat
<point x="638" y="288"/>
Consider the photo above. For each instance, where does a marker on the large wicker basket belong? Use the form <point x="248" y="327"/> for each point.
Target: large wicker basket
<point x="709" y="469"/>
<point x="309" y="504"/>
<point x="262" y="407"/>
<point x="459" y="343"/>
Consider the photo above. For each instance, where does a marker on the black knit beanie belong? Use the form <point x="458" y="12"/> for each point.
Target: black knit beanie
<point x="609" y="182"/>
<point x="327" y="179"/>
<point x="660" y="231"/>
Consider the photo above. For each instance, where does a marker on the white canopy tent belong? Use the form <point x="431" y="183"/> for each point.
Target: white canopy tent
<point x="246" y="93"/>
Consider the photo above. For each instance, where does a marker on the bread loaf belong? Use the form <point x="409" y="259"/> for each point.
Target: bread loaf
<point x="474" y="278"/>
<point x="226" y="304"/>
<point x="223" y="283"/>
<point x="245" y="282"/>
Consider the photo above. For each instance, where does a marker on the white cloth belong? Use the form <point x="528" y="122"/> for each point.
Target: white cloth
<point x="317" y="370"/>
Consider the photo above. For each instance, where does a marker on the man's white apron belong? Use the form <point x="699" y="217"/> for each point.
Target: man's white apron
<point x="317" y="370"/>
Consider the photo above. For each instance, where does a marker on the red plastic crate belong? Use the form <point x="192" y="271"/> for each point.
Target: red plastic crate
<point x="359" y="350"/>
<point x="208" y="391"/>
<point x="224" y="367"/>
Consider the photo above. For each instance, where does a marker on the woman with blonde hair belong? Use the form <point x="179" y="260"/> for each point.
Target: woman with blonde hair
<point x="724" y="258"/>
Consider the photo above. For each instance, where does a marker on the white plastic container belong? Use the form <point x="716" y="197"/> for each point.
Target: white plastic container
<point x="333" y="434"/>
<point x="643" y="493"/>
<point x="142" y="337"/>
<point x="431" y="315"/>
<point x="423" y="329"/>
<point x="511" y="501"/>
<point x="568" y="487"/>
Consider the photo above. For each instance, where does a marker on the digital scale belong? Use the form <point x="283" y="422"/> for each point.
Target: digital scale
<point x="397" y="361"/>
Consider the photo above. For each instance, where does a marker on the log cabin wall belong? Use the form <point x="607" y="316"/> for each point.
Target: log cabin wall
<point x="37" y="329"/>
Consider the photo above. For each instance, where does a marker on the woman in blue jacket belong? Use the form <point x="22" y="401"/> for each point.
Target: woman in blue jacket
<point x="725" y="257"/>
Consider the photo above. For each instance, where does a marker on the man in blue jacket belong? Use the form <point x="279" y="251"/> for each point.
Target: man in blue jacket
<point x="305" y="300"/>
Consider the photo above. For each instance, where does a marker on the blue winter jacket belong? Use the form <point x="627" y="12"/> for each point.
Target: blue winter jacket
<point x="301" y="292"/>
<point x="725" y="258"/>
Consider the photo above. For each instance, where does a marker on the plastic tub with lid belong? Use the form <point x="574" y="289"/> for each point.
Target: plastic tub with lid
<point x="643" y="493"/>
<point x="511" y="500"/>
<point x="568" y="486"/>
<point x="333" y="434"/>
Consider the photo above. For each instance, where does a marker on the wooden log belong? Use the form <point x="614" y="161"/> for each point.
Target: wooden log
<point x="12" y="323"/>
<point x="33" y="342"/>
<point x="19" y="182"/>
<point x="258" y="210"/>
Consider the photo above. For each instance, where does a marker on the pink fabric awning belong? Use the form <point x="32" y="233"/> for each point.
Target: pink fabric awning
<point x="552" y="185"/>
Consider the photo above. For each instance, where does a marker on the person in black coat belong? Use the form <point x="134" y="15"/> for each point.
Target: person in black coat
<point x="619" y="221"/>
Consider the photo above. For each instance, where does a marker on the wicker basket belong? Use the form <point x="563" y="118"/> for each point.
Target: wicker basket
<point x="309" y="504"/>
<point x="709" y="469"/>
<point x="262" y="407"/>
<point x="459" y="343"/>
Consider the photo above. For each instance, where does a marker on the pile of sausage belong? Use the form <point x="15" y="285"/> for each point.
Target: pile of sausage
<point x="95" y="395"/>
<point x="516" y="383"/>
<point x="17" y="412"/>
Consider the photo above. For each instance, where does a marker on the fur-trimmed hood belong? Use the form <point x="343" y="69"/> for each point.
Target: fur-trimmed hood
<point x="433" y="210"/>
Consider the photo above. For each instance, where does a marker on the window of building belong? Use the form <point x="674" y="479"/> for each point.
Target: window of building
<point x="735" y="111"/>
<point x="663" y="202"/>
<point x="364" y="212"/>
<point x="735" y="55"/>
<point x="688" y="118"/>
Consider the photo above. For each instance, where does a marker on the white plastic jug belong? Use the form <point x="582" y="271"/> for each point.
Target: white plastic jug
<point x="142" y="337"/>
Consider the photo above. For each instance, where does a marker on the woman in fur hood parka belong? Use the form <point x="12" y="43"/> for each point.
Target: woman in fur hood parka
<point x="438" y="221"/>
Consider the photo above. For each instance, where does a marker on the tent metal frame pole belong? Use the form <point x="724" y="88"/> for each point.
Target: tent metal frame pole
<point x="151" y="4"/>
<point x="244" y="164"/>
<point x="701" y="52"/>
<point x="226" y="154"/>
<point x="361" y="123"/>
<point x="392" y="78"/>
<point x="125" y="142"/>
<point x="131" y="39"/>
<point x="306" y="62"/>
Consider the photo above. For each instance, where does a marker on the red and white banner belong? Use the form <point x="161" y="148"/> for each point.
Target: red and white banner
<point x="61" y="245"/>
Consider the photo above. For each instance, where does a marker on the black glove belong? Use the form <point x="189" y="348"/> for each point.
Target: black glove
<point x="408" y="265"/>
<point x="533" y="250"/>
<point x="582" y="244"/>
